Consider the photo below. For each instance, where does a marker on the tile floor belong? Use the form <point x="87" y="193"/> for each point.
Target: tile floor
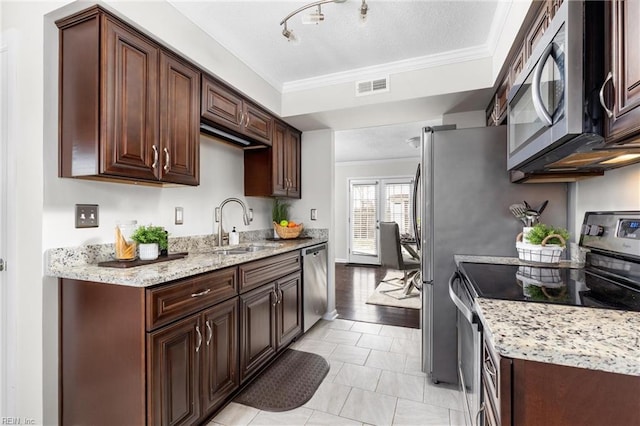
<point x="375" y="379"/>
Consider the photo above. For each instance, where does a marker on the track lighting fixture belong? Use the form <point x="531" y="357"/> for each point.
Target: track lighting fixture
<point x="315" y="17"/>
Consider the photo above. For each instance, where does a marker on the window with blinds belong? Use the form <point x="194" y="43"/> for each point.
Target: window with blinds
<point x="397" y="201"/>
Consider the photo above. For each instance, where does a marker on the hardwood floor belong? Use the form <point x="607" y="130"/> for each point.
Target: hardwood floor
<point x="354" y="284"/>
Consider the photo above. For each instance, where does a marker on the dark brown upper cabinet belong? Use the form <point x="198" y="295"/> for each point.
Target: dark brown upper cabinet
<point x="622" y="87"/>
<point x="224" y="107"/>
<point x="275" y="172"/>
<point x="128" y="107"/>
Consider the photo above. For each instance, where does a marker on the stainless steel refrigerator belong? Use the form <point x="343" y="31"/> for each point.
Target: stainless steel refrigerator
<point x="463" y="198"/>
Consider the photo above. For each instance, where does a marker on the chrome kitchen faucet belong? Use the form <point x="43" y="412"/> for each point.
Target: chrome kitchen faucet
<point x="245" y="215"/>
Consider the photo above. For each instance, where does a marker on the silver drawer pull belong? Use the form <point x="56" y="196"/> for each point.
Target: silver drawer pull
<point x="167" y="160"/>
<point x="601" y="95"/>
<point x="479" y="413"/>
<point x="202" y="293"/>
<point x="489" y="368"/>
<point x="155" y="156"/>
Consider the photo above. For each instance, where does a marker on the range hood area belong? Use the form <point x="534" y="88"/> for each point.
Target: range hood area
<point x="228" y="137"/>
<point x="577" y="159"/>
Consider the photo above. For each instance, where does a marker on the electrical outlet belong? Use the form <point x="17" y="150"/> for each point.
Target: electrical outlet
<point x="86" y="216"/>
<point x="314" y="214"/>
<point x="179" y="216"/>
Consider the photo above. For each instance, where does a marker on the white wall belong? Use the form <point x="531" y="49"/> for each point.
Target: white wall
<point x="357" y="170"/>
<point x="467" y="119"/>
<point x="318" y="157"/>
<point x="617" y="190"/>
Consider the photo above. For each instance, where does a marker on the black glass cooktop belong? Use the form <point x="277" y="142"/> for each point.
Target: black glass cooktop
<point x="578" y="287"/>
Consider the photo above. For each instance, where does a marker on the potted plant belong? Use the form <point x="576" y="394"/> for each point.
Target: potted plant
<point x="542" y="244"/>
<point x="279" y="214"/>
<point x="150" y="240"/>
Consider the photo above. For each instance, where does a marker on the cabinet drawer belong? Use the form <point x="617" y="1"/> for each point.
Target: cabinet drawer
<point x="170" y="302"/>
<point x="490" y="374"/>
<point x="255" y="274"/>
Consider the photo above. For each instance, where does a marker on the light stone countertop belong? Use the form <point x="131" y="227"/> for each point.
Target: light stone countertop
<point x="592" y="338"/>
<point x="574" y="336"/>
<point x="196" y="262"/>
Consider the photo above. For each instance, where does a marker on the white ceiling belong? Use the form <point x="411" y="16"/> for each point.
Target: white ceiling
<point x="398" y="36"/>
<point x="395" y="31"/>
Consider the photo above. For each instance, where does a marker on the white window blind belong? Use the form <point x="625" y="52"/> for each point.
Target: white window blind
<point x="398" y="206"/>
<point x="364" y="202"/>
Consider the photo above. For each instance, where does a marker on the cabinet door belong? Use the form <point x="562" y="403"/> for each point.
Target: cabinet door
<point x="221" y="105"/>
<point x="179" y="121"/>
<point x="537" y="29"/>
<point x="623" y="45"/>
<point x="257" y="329"/>
<point x="130" y="103"/>
<point x="289" y="309"/>
<point x="173" y="387"/>
<point x="220" y="367"/>
<point x="279" y="169"/>
<point x="292" y="163"/>
<point x="257" y="123"/>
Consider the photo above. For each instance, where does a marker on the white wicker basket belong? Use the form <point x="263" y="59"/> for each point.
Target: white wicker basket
<point x="540" y="253"/>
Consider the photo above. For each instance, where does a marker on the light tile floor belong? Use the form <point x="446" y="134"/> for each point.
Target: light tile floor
<point x="375" y="379"/>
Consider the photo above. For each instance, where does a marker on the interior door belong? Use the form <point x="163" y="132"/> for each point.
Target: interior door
<point x="364" y="215"/>
<point x="372" y="201"/>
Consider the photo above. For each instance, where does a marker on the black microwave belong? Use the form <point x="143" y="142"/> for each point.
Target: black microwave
<point x="554" y="111"/>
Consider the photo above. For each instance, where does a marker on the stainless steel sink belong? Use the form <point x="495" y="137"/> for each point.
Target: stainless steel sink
<point x="242" y="250"/>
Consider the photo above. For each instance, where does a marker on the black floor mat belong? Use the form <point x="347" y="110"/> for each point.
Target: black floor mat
<point x="286" y="384"/>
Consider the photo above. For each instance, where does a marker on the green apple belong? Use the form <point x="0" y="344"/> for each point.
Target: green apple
<point x="284" y="222"/>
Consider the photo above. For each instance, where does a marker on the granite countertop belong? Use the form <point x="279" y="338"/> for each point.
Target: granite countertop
<point x="575" y="336"/>
<point x="593" y="338"/>
<point x="196" y="262"/>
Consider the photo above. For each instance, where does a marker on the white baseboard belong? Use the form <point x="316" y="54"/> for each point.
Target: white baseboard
<point x="341" y="261"/>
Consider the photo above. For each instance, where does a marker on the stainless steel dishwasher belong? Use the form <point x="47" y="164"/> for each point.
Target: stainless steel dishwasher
<point x="314" y="291"/>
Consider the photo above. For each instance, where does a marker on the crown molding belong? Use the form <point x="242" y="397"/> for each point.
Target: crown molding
<point x="497" y="25"/>
<point x="376" y="162"/>
<point x="406" y="65"/>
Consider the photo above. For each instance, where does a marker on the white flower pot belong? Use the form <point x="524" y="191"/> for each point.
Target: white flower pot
<point x="148" y="251"/>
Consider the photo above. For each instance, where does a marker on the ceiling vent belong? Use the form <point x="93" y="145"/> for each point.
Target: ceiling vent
<point x="370" y="87"/>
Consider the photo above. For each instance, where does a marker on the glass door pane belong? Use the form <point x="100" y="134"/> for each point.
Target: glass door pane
<point x="397" y="205"/>
<point x="363" y="220"/>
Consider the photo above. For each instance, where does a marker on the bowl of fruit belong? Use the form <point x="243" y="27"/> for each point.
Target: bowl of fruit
<point x="288" y="229"/>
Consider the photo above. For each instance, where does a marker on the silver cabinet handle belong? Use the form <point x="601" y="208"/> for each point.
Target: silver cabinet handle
<point x="202" y="293"/>
<point x="541" y="111"/>
<point x="240" y="118"/>
<point x="607" y="110"/>
<point x="275" y="296"/>
<point x="199" y="338"/>
<point x="281" y="294"/>
<point x="155" y="157"/>
<point x="246" y="119"/>
<point x="209" y="332"/>
<point x="166" y="159"/>
<point x="482" y="408"/>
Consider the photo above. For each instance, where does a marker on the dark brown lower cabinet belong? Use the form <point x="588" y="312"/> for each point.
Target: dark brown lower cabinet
<point x="257" y="328"/>
<point x="530" y="393"/>
<point x="221" y="375"/>
<point x="193" y="365"/>
<point x="175" y="353"/>
<point x="289" y="309"/>
<point x="270" y="319"/>
<point x="174" y="372"/>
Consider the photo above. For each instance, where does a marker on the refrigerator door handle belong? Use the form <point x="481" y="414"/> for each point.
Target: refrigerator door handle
<point x="416" y="183"/>
<point x="426" y="201"/>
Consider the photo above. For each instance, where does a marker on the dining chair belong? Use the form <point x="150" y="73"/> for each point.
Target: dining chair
<point x="391" y="258"/>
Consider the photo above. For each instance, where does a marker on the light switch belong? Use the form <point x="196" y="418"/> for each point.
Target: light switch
<point x="86" y="215"/>
<point x="179" y="216"/>
<point x="314" y="214"/>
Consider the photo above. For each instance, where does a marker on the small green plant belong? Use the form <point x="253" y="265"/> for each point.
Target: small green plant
<point x="540" y="231"/>
<point x="151" y="234"/>
<point x="280" y="210"/>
